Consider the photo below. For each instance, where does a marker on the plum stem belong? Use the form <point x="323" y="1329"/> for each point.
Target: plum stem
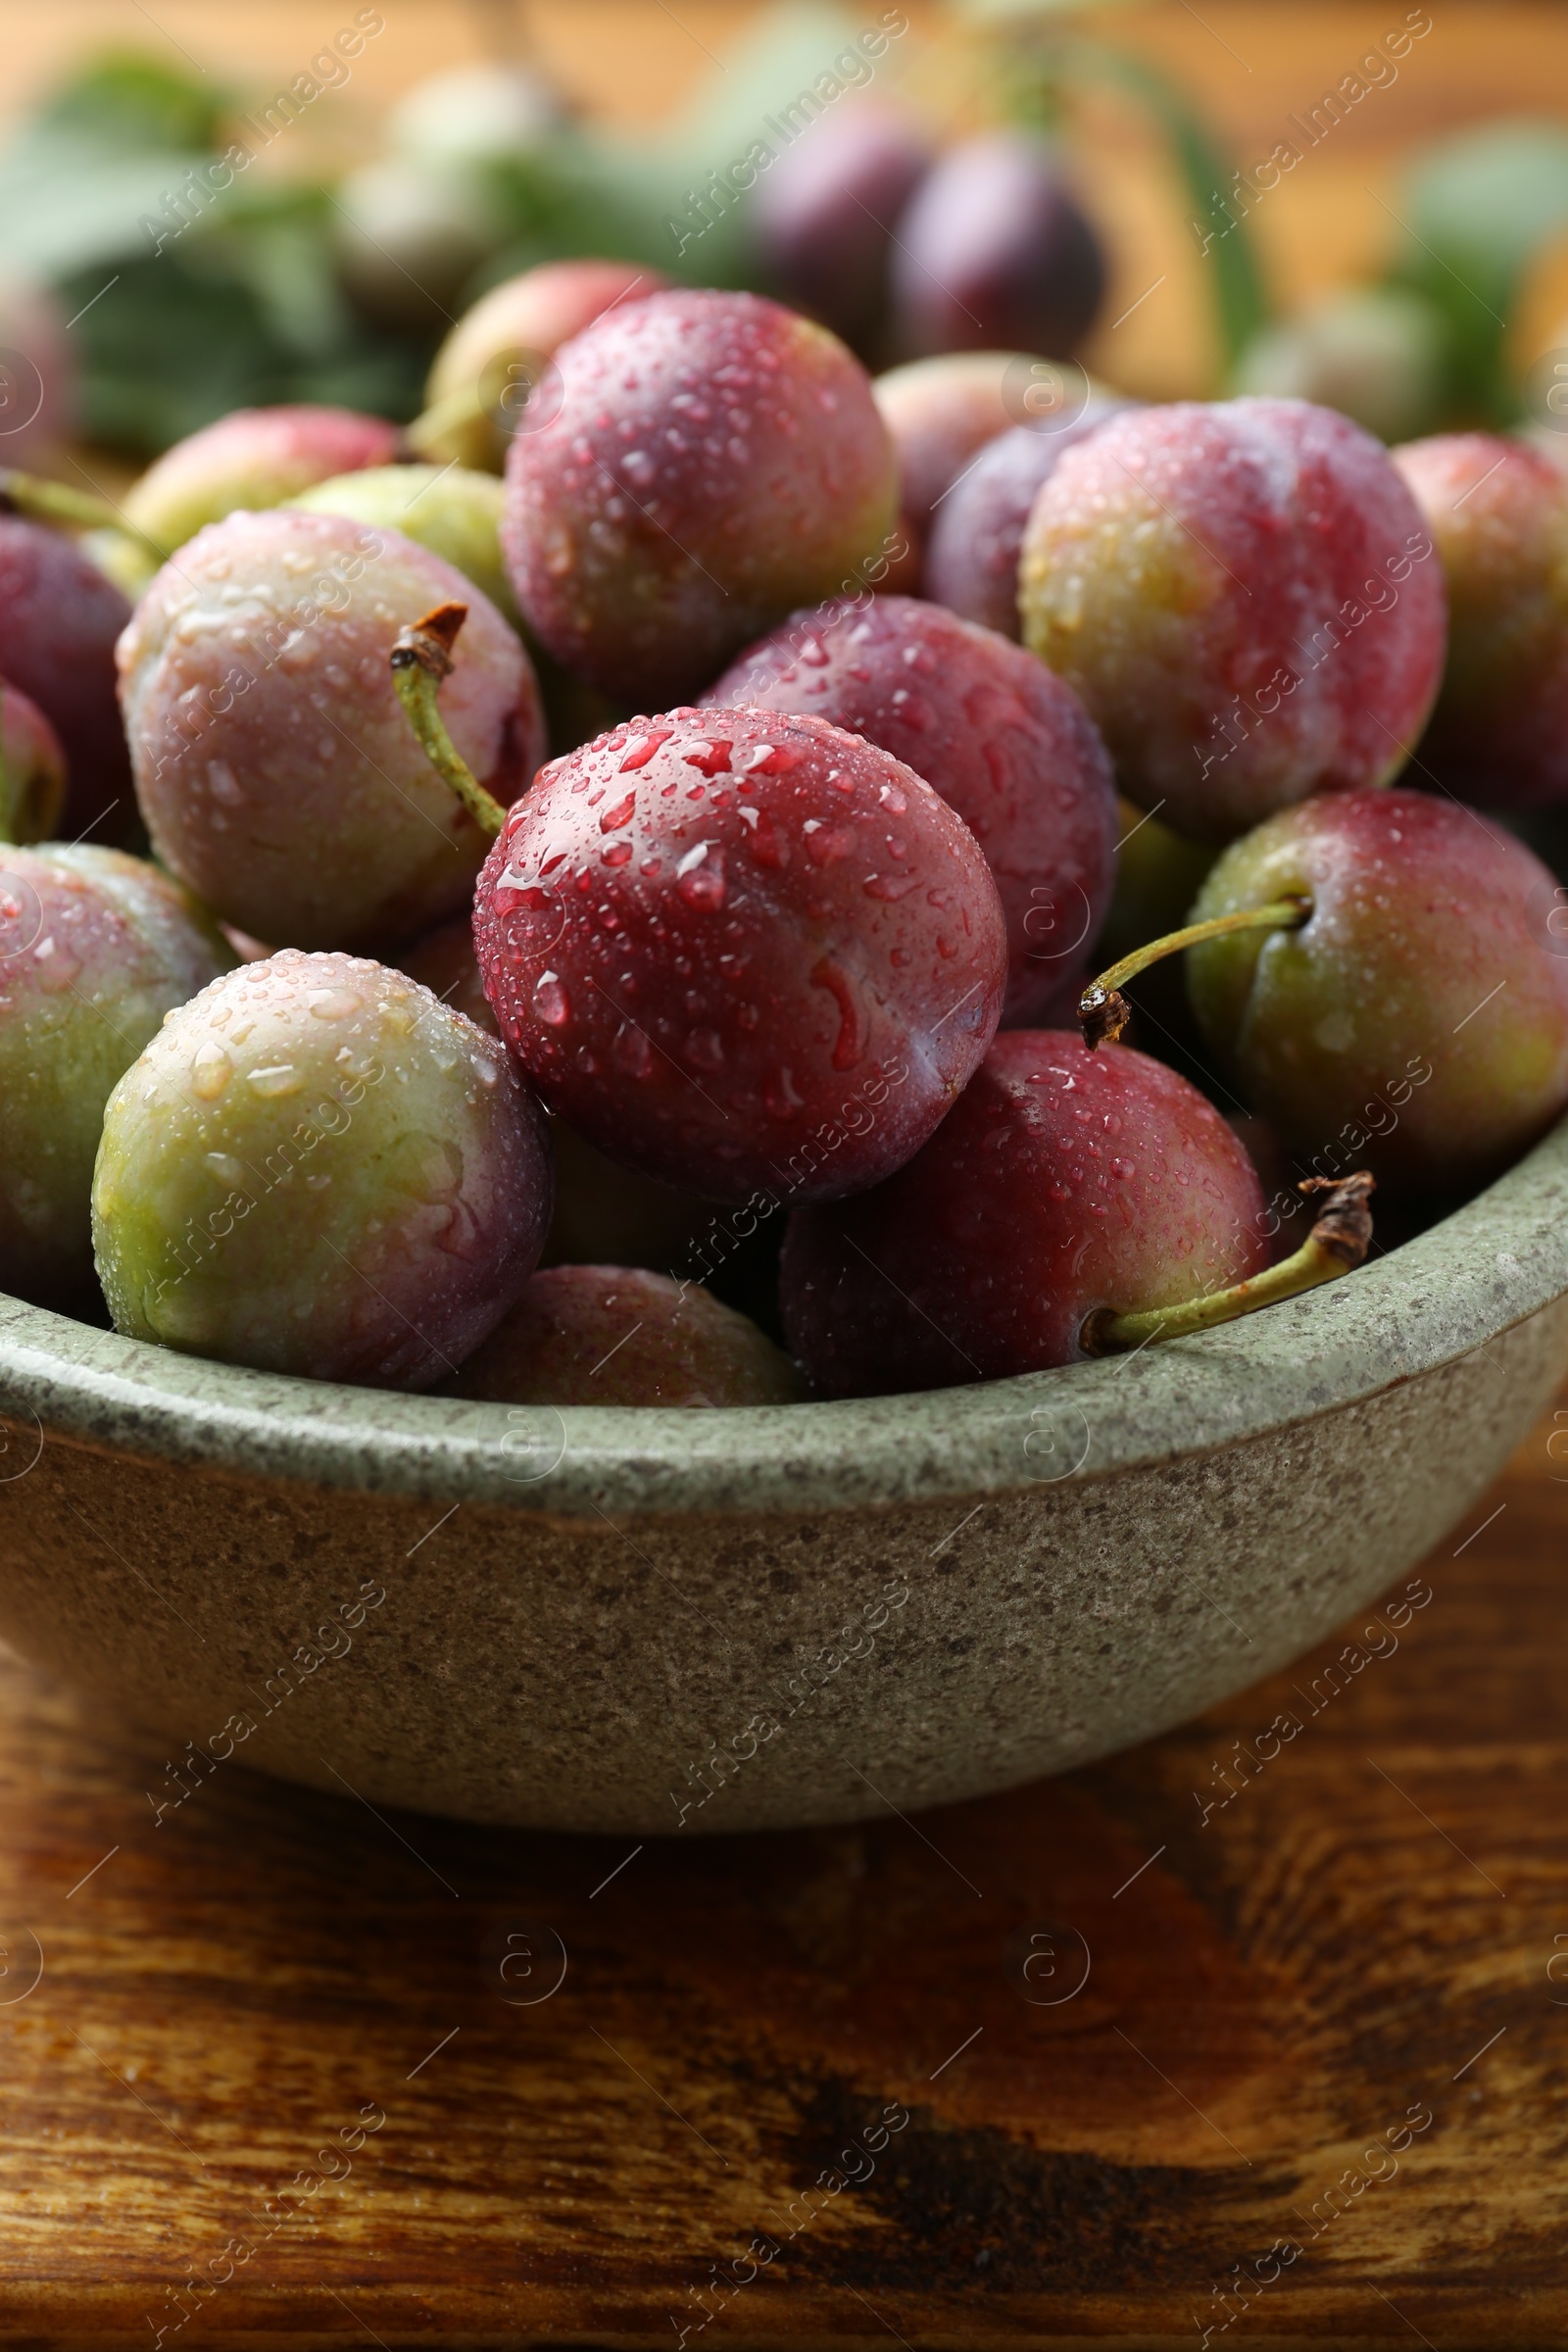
<point x="1105" y="1012"/>
<point x="1339" y="1241"/>
<point x="427" y="435"/>
<point x="56" y="501"/>
<point x="421" y="658"/>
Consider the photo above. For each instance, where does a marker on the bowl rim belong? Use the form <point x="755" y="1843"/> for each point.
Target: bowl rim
<point x="1491" y="1265"/>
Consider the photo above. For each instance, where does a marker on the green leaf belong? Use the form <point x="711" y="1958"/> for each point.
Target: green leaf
<point x="1494" y="196"/>
<point x="1241" y="299"/>
<point x="1475" y="210"/>
<point x="183" y="339"/>
<point x="123" y="99"/>
<point x="68" y="204"/>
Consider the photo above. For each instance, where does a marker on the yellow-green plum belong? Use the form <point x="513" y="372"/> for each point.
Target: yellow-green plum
<point x="1498" y="511"/>
<point x="95" y="949"/>
<point x="455" y="512"/>
<point x="485" y="380"/>
<point x="620" y="1335"/>
<point x="451" y="510"/>
<point x="275" y="769"/>
<point x="317" y="1167"/>
<point x="1416" y="1024"/>
<point x="252" y="457"/>
<point x="1245" y="597"/>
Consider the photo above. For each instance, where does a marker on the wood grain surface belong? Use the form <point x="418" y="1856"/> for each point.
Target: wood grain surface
<point x="1039" y="2070"/>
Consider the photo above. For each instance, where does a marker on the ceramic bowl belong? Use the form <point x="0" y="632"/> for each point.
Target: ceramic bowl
<point x="662" y="1621"/>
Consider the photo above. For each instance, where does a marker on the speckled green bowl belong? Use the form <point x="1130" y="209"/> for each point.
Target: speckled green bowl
<point x="656" y="1621"/>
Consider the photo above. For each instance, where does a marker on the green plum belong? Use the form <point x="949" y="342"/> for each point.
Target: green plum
<point x="95" y="949"/>
<point x="315" y="1167"/>
<point x="1416" y="1022"/>
<point x="491" y="378"/>
<point x="461" y="521"/>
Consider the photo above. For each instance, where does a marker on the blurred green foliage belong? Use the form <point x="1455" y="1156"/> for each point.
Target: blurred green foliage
<point x="246" y="302"/>
<point x="1477" y="209"/>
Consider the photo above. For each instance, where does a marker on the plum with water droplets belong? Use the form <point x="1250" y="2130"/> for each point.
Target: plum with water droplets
<point x="95" y="949"/>
<point x="742" y="952"/>
<point x="316" y="1168"/>
<point x="715" y="460"/>
<point x="1064" y="1183"/>
<point x="1498" y="512"/>
<point x="59" y="621"/>
<point x="274" y="768"/>
<point x="989" y="729"/>
<point x="253" y="458"/>
<point x="1244" y="596"/>
<point x="620" y="1334"/>
<point x="1417" y="1021"/>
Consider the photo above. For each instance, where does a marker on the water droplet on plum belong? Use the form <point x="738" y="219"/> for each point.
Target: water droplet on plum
<point x="210" y="1072"/>
<point x="275" y="1078"/>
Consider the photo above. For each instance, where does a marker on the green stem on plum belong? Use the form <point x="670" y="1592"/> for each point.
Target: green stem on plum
<point x="421" y="658"/>
<point x="56" y="501"/>
<point x="1337" y="1241"/>
<point x="1105" y="1012"/>
<point x="426" y="436"/>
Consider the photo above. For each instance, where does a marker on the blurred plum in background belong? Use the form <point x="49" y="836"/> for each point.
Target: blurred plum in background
<point x="993" y="248"/>
<point x="824" y="213"/>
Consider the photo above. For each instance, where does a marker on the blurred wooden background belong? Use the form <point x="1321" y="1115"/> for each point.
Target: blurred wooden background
<point x="1250" y="67"/>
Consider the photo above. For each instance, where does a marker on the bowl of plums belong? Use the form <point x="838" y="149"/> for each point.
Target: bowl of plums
<point x="730" y="1094"/>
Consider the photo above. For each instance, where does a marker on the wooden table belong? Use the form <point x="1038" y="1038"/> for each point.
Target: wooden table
<point x="284" y="2046"/>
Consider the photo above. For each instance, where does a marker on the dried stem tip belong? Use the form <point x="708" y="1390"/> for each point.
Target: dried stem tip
<point x="1103" y="1012"/>
<point x="430" y="640"/>
<point x="1338" y="1240"/>
<point x="1102" y="1015"/>
<point x="1343" y="1225"/>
